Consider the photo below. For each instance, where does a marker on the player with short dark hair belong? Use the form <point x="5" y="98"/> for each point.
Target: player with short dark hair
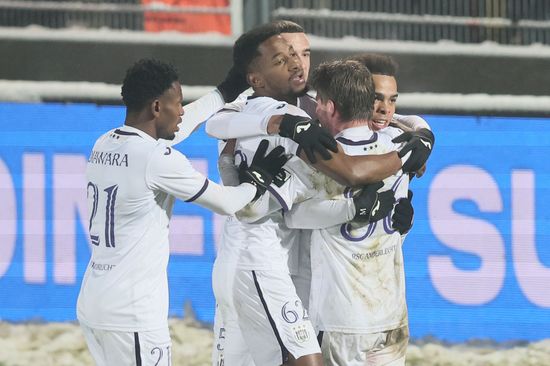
<point x="259" y="281"/>
<point x="384" y="70"/>
<point x="133" y="181"/>
<point x="147" y="79"/>
<point x="377" y="64"/>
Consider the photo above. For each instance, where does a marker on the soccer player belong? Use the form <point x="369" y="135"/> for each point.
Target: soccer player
<point x="367" y="322"/>
<point x="133" y="180"/>
<point x="261" y="257"/>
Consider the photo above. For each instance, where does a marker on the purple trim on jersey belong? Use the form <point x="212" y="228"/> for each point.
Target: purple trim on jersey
<point x="284" y="351"/>
<point x="344" y="230"/>
<point x="397" y="183"/>
<point x="348" y="192"/>
<point x="279" y="198"/>
<point x="125" y="133"/>
<point x="387" y="225"/>
<point x="204" y="186"/>
<point x="242" y="156"/>
<point x="346" y="141"/>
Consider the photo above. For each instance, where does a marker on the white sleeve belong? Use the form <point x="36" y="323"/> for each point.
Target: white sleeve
<point x="169" y="171"/>
<point x="413" y="122"/>
<point x="259" y="208"/>
<point x="196" y="113"/>
<point x="228" y="171"/>
<point x="226" y="200"/>
<point x="229" y="124"/>
<point x="319" y="213"/>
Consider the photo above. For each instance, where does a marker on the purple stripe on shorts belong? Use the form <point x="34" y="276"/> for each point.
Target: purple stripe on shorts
<point x="284" y="351"/>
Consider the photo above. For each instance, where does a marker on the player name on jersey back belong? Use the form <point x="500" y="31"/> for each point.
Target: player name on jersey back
<point x="108" y="158"/>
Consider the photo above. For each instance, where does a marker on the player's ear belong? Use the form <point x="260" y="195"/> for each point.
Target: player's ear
<point x="255" y="80"/>
<point x="155" y="107"/>
<point x="331" y="107"/>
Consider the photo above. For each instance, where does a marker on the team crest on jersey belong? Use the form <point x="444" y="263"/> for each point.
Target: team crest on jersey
<point x="301" y="333"/>
<point x="281" y="177"/>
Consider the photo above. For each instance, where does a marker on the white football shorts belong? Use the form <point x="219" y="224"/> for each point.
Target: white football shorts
<point x="302" y="276"/>
<point x="229" y="347"/>
<point x="148" y="348"/>
<point x="375" y="349"/>
<point x="271" y="317"/>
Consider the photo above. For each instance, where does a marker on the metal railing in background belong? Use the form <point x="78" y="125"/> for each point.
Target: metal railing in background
<point x="113" y="14"/>
<point x="517" y="9"/>
<point x="467" y="21"/>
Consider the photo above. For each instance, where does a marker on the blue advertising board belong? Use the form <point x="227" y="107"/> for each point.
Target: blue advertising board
<point x="477" y="259"/>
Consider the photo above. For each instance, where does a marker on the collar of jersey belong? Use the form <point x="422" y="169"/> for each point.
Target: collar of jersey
<point x="142" y="134"/>
<point x="358" y="131"/>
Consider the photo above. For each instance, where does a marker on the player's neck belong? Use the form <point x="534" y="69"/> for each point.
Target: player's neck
<point x="142" y="123"/>
<point x="350" y="124"/>
<point x="289" y="99"/>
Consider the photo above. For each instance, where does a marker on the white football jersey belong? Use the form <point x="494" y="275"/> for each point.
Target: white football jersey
<point x="250" y="121"/>
<point x="268" y="241"/>
<point x="358" y="282"/>
<point x="298" y="261"/>
<point x="132" y="182"/>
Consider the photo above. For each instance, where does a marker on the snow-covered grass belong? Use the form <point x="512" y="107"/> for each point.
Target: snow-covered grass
<point x="62" y="344"/>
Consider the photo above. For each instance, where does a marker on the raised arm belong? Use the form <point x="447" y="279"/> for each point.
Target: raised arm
<point x="229" y="124"/>
<point x="410" y="122"/>
<point x="197" y="112"/>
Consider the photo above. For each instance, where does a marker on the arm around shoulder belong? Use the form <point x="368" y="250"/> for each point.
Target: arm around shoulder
<point x="358" y="170"/>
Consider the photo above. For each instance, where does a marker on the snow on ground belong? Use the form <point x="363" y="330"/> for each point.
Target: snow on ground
<point x="62" y="344"/>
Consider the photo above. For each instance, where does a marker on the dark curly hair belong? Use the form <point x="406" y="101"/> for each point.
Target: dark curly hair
<point x="377" y="64"/>
<point x="146" y="80"/>
<point x="245" y="49"/>
<point x="287" y="26"/>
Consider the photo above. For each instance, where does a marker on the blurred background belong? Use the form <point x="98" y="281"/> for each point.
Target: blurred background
<point x="478" y="257"/>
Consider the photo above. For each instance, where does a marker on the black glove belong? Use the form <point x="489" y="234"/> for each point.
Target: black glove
<point x="420" y="144"/>
<point x="309" y="135"/>
<point x="404" y="214"/>
<point x="233" y="85"/>
<point x="263" y="167"/>
<point x="371" y="206"/>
